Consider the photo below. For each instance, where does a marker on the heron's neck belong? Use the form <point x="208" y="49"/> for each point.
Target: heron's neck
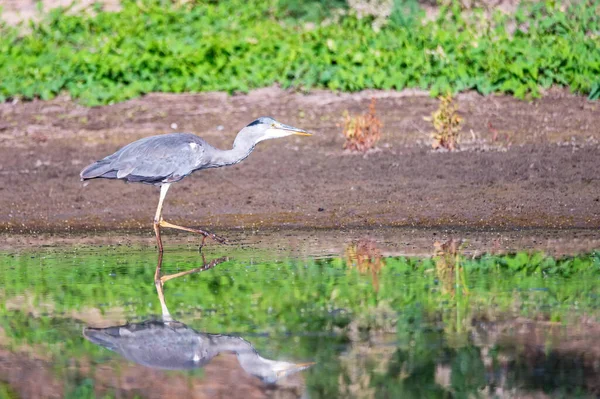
<point x="249" y="359"/>
<point x="267" y="370"/>
<point x="228" y="343"/>
<point x="242" y="147"/>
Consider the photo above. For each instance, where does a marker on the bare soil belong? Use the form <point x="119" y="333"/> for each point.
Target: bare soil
<point x="522" y="164"/>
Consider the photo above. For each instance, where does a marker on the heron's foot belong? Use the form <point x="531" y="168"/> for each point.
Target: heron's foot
<point x="207" y="266"/>
<point x="214" y="237"/>
<point x="206" y="234"/>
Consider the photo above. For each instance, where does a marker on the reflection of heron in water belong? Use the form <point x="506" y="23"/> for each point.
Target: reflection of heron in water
<point x="169" y="344"/>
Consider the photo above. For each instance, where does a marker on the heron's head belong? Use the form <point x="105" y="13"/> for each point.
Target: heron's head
<point x="265" y="128"/>
<point x="270" y="371"/>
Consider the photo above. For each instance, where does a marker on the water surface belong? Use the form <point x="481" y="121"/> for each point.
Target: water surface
<point x="95" y="323"/>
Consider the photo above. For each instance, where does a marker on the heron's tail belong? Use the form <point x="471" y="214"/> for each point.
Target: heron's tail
<point x="97" y="169"/>
<point x="106" y="337"/>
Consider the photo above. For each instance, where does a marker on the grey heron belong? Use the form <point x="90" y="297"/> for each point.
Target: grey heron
<point x="171" y="345"/>
<point x="165" y="159"/>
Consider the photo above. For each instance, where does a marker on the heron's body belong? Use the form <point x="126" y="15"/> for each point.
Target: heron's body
<point x="169" y="346"/>
<point x="165" y="159"/>
<point x="154" y="160"/>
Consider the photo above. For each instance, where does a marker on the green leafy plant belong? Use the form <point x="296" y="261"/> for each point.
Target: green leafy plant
<point x="311" y="10"/>
<point x="157" y="46"/>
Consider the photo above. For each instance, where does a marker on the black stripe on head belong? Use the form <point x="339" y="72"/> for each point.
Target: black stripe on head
<point x="262" y="120"/>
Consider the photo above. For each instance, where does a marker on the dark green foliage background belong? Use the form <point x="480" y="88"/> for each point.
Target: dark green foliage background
<point x="237" y="45"/>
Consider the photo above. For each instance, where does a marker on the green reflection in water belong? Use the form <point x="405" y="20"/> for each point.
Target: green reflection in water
<point x="393" y="327"/>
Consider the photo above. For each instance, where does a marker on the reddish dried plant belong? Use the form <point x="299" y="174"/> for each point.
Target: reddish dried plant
<point x="365" y="256"/>
<point x="362" y="132"/>
<point x="447" y="256"/>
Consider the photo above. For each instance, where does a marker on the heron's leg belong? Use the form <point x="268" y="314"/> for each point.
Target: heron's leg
<point x="166" y="316"/>
<point x="159" y="280"/>
<point x="206" y="234"/>
<point x="159" y="222"/>
<point x="158" y="216"/>
<point x="204" y="267"/>
<point x="158" y="283"/>
<point x="158" y="267"/>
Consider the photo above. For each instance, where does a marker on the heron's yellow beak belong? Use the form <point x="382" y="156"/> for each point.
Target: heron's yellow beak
<point x="305" y="365"/>
<point x="294" y="130"/>
<point x="292" y="368"/>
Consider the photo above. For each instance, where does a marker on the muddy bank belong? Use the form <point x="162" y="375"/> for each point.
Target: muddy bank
<point x="275" y="244"/>
<point x="523" y="165"/>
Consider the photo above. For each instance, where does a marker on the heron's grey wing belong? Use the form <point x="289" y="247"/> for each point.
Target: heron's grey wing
<point x="164" y="158"/>
<point x="154" y="344"/>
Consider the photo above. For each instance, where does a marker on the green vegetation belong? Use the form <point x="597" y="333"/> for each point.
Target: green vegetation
<point x="45" y="296"/>
<point x="240" y="294"/>
<point x="236" y="45"/>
